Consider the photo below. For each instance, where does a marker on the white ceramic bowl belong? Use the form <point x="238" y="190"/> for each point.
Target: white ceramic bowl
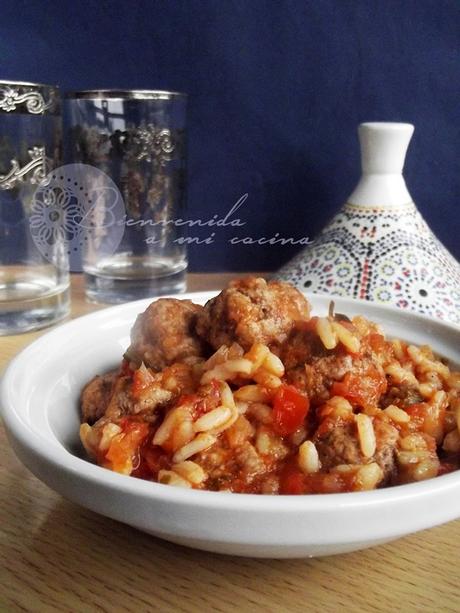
<point x="40" y="391"/>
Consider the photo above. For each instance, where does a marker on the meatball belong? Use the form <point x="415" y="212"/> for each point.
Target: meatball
<point x="300" y="347"/>
<point x="317" y="377"/>
<point x="252" y="310"/>
<point x="164" y="334"/>
<point x="310" y="366"/>
<point x="385" y="455"/>
<point x="96" y="396"/>
<point x="403" y="396"/>
<point x="339" y="444"/>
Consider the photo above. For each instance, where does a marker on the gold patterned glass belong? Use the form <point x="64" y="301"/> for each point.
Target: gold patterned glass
<point x="137" y="138"/>
<point x="33" y="287"/>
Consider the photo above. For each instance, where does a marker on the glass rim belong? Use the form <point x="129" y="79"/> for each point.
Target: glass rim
<point x="124" y="94"/>
<point x="27" y="84"/>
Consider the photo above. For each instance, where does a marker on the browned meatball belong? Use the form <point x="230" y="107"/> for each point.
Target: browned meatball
<point x="339" y="444"/>
<point x="252" y="310"/>
<point x="385" y="454"/>
<point x="317" y="377"/>
<point x="96" y="395"/>
<point x="310" y="366"/>
<point x="300" y="346"/>
<point x="402" y="396"/>
<point x="164" y="334"/>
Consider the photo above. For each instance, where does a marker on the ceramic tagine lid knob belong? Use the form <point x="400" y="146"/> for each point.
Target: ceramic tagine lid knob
<point x="383" y="151"/>
<point x="378" y="247"/>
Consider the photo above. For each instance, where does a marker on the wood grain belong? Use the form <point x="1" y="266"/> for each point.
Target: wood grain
<point x="56" y="556"/>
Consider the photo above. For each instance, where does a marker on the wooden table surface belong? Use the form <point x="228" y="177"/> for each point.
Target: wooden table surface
<point x="56" y="556"/>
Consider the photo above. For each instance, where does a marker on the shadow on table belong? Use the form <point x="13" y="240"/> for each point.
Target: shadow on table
<point x="109" y="556"/>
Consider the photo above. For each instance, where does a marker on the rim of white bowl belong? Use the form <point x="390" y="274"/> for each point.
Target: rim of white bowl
<point x="64" y="460"/>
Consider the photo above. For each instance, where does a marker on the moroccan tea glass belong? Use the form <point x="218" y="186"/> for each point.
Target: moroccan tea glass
<point x="34" y="280"/>
<point x="137" y="138"/>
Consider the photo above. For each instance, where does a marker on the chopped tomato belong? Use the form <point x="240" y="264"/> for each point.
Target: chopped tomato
<point x="155" y="458"/>
<point x="377" y="342"/>
<point x="131" y="425"/>
<point x="123" y="452"/>
<point x="361" y="389"/>
<point x="142" y="379"/>
<point x="292" y="480"/>
<point x="309" y="325"/>
<point x="290" y="408"/>
<point x="417" y="412"/>
<point x="142" y="471"/>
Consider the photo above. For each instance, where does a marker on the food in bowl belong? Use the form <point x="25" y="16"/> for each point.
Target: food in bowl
<point x="250" y="393"/>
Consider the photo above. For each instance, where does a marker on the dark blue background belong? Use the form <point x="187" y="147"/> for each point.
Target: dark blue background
<point x="276" y="91"/>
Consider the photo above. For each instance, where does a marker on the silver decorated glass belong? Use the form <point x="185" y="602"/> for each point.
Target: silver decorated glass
<point x="33" y="284"/>
<point x="138" y="138"/>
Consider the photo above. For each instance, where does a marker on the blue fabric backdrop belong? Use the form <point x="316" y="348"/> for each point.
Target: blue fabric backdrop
<point x="276" y="91"/>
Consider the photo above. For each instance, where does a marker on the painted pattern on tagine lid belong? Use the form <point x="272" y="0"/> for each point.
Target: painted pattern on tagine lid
<point x="378" y="247"/>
